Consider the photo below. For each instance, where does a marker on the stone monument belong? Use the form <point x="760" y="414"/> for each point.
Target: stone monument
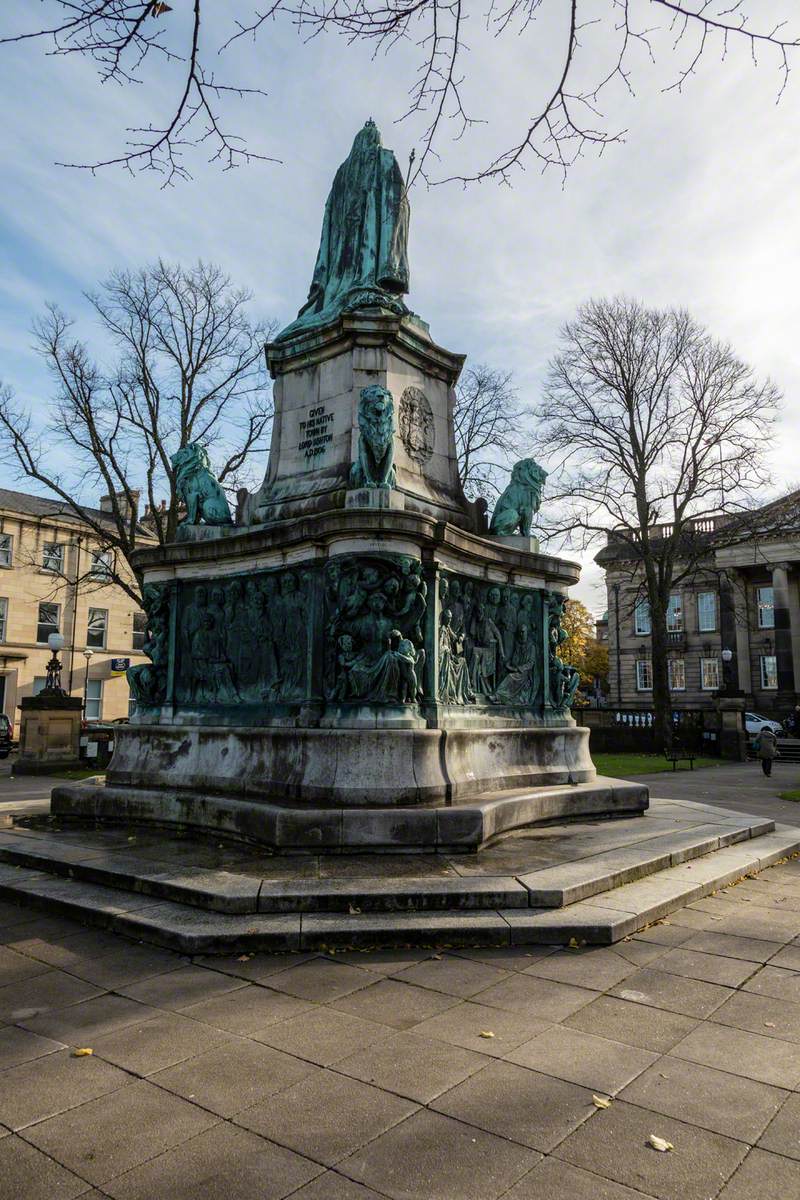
<point x="358" y="663"/>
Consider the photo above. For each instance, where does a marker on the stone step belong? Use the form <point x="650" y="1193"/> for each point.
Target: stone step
<point x="603" y="919"/>
<point x="227" y="891"/>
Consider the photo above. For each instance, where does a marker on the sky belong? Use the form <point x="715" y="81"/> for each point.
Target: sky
<point x="698" y="207"/>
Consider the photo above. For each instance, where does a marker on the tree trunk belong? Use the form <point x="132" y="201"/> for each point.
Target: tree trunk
<point x="662" y="707"/>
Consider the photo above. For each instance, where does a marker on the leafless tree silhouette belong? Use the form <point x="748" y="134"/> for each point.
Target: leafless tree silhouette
<point x="653" y="422"/>
<point x="189" y="367"/>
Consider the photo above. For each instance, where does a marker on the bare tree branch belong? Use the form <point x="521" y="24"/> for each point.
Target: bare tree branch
<point x="657" y="427"/>
<point x="490" y="428"/>
<point x="189" y="367"/>
<point x="590" y="50"/>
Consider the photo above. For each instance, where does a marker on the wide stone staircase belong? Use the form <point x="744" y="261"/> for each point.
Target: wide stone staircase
<point x="592" y="881"/>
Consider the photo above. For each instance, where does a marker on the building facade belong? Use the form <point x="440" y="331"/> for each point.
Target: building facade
<point x="733" y="620"/>
<point x="54" y="578"/>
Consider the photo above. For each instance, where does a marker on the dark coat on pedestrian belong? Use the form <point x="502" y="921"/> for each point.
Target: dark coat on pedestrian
<point x="767" y="743"/>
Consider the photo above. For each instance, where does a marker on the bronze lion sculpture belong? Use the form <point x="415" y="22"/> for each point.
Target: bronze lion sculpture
<point x="197" y="488"/>
<point x="514" y="511"/>
<point x="374" y="467"/>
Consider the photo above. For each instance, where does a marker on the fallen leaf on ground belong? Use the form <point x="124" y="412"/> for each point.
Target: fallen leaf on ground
<point x="601" y="1102"/>
<point x="659" y="1143"/>
<point x="769" y="1024"/>
<point x="82" y="1052"/>
<point x="486" y="1033"/>
<point x="438" y="957"/>
<point x="353" y="909"/>
<point x="244" y="958"/>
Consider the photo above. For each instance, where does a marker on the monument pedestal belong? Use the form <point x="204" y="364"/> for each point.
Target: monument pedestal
<point x="50" y="733"/>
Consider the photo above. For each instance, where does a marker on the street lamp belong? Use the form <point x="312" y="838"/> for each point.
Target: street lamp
<point x="53" y="681"/>
<point x="87" y="654"/>
<point x="727" y="659"/>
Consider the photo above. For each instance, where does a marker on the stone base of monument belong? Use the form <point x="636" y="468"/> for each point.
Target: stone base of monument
<point x="593" y="881"/>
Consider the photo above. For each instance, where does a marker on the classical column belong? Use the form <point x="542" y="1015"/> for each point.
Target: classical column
<point x="783" y="629"/>
<point x="741" y="631"/>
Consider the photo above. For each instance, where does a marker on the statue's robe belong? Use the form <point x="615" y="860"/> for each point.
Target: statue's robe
<point x="364" y="242"/>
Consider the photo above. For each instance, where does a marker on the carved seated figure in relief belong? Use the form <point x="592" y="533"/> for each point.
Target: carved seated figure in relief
<point x="374" y="467"/>
<point x="515" y="509"/>
<point x="197" y="488"/>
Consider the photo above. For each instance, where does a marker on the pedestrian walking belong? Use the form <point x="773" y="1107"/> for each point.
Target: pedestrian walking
<point x="767" y="746"/>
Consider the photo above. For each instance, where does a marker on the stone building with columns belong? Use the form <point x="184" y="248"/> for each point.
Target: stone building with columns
<point x="733" y="620"/>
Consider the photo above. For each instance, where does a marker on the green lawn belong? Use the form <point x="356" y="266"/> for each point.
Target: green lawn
<point x="792" y="795"/>
<point x="618" y="765"/>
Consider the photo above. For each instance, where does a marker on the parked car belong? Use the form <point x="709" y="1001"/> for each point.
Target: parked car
<point x="5" y="736"/>
<point x="754" y="723"/>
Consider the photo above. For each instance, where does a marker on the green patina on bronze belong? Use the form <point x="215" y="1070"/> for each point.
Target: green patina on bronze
<point x="517" y="505"/>
<point x="374" y="466"/>
<point x="563" y="679"/>
<point x="243" y="640"/>
<point x="375" y="609"/>
<point x="148" y="681"/>
<point x="362" y="260"/>
<point x="197" y="489"/>
<point x="491" y="648"/>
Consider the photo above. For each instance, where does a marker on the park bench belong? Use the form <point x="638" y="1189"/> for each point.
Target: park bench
<point x="676" y="755"/>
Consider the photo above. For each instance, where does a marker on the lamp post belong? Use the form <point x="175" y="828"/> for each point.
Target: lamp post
<point x="53" y="681"/>
<point x="87" y="654"/>
<point x="727" y="659"/>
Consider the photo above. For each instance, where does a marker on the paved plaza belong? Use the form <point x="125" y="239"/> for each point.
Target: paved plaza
<point x="436" y="1074"/>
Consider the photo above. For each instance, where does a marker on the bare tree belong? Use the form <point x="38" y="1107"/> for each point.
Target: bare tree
<point x="490" y="426"/>
<point x="590" y="48"/>
<point x="189" y="367"/>
<point x="653" y="421"/>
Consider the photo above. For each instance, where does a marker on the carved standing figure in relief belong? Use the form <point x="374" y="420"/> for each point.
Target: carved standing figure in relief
<point x="454" y="684"/>
<point x="374" y="467"/>
<point x="516" y="507"/>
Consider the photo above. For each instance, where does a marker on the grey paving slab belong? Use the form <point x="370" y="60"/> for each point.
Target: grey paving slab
<point x="591" y="967"/>
<point x="429" y="1149"/>
<point x="544" y="999"/>
<point x="46" y="1086"/>
<point x="750" y="1054"/>
<point x="583" y="1058"/>
<point x="233" y="1076"/>
<point x="20" y="1046"/>
<point x="715" y="1100"/>
<point x="776" y="982"/>
<point x="409" y="1065"/>
<point x="508" y="958"/>
<point x="452" y="975"/>
<point x="182" y="987"/>
<point x="223" y="1163"/>
<point x="709" y="968"/>
<point x="788" y="956"/>
<point x="26" y="998"/>
<point x="14" y="967"/>
<point x="384" y="962"/>
<point x="615" y="1144"/>
<point x="27" y="1174"/>
<point x="80" y="1024"/>
<point x="399" y="1005"/>
<point x="530" y="1108"/>
<point x="321" y="980"/>
<point x="128" y="964"/>
<point x="110" y="1135"/>
<point x="636" y="1024"/>
<point x="552" y="1179"/>
<point x="782" y="1135"/>
<point x="468" y="1024"/>
<point x="732" y="946"/>
<point x="333" y="1186"/>
<point x="246" y="1010"/>
<point x="768" y="1176"/>
<point x="323" y="1036"/>
<point x="321" y="930"/>
<point x="761" y="1014"/>
<point x="163" y="1040"/>
<point x="659" y="989"/>
<point x="327" y="1116"/>
<point x="252" y="966"/>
